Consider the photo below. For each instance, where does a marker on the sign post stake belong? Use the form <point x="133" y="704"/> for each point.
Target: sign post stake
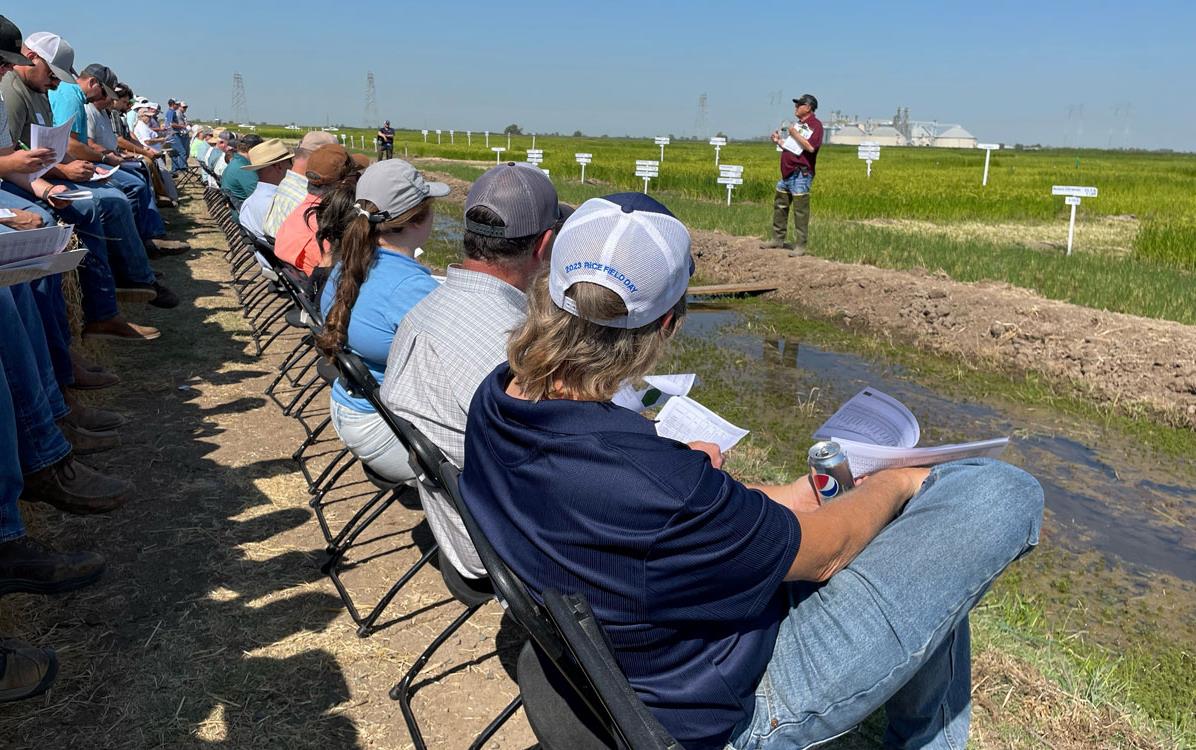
<point x="468" y="137"/>
<point x="508" y="140"/>
<point x="497" y="154"/>
<point x="438" y="137"/>
<point x="730" y="175"/>
<point x="533" y="140"/>
<point x="487" y="139"/>
<point x="425" y="132"/>
<point x="718" y="142"/>
<point x="647" y="169"/>
<point x="662" y="141"/>
<point x="1072" y="196"/>
<point x="452" y="136"/>
<point x="988" y="152"/>
<point x="583" y="160"/>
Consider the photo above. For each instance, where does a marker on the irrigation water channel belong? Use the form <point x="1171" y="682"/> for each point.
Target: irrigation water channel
<point x="1102" y="493"/>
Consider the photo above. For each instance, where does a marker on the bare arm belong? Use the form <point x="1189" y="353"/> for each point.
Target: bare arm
<point x="835" y="533"/>
<point x="80" y="150"/>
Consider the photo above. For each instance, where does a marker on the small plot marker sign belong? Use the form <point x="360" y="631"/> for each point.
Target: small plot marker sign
<point x="647" y="170"/>
<point x="718" y="142"/>
<point x="989" y="148"/>
<point x="583" y="160"/>
<point x="468" y="137"/>
<point x="497" y="153"/>
<point x="535" y="156"/>
<point x="487" y="139"/>
<point x="437" y="137"/>
<point x="662" y="141"/>
<point x="452" y="138"/>
<point x="1072" y="196"/>
<point x="730" y="175"/>
<point x="869" y="151"/>
<point x="425" y="132"/>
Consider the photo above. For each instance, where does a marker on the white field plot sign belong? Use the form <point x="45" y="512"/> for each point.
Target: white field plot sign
<point x="647" y="169"/>
<point x="1072" y="196"/>
<point x="730" y="175"/>
<point x="498" y="153"/>
<point x="989" y="148"/>
<point x="583" y="160"/>
<point x="869" y="151"/>
<point x="718" y="142"/>
<point x="535" y="156"/>
<point x="425" y="132"/>
<point x="662" y="141"/>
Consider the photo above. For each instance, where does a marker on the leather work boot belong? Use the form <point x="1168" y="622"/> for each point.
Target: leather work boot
<point x="91" y="418"/>
<point x="84" y="442"/>
<point x="25" y="671"/>
<point x="28" y="566"/>
<point x="780" y="218"/>
<point x="120" y="329"/>
<point x="71" y="486"/>
<point x="801" y="223"/>
<point x="89" y="379"/>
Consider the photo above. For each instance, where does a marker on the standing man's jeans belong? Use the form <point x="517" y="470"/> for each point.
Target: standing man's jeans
<point x="48" y="293"/>
<point x="891" y="628"/>
<point x="179" y="160"/>
<point x="796" y="183"/>
<point x="141" y="199"/>
<point x="35" y="396"/>
<point x="11" y="479"/>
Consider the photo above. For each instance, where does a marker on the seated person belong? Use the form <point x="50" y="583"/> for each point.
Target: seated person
<point x="238" y="182"/>
<point x="375" y="229"/>
<point x="224" y="145"/>
<point x="328" y="168"/>
<point x="448" y="343"/>
<point x="714" y="592"/>
<point x="293" y="188"/>
<point x="270" y="160"/>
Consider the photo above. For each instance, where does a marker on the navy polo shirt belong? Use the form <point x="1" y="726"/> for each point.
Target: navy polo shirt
<point x="681" y="563"/>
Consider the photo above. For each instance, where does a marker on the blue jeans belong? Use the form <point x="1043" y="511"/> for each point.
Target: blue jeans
<point x="48" y="293"/>
<point x="141" y="199"/>
<point x="36" y="399"/>
<point x="796" y="183"/>
<point x="891" y="628"/>
<point x="179" y="145"/>
<point x="11" y="480"/>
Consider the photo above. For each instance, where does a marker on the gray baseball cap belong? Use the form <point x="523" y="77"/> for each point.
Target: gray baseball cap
<point x="518" y="193"/>
<point x="105" y="75"/>
<point x="56" y="51"/>
<point x="395" y="187"/>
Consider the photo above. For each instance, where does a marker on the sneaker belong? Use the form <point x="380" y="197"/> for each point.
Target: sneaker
<point x="164" y="298"/>
<point x="28" y="566"/>
<point x="164" y="248"/>
<point x="797" y="251"/>
<point x="76" y="488"/>
<point x="25" y="671"/>
<point x="84" y="442"/>
<point x="91" y="418"/>
<point x="119" y="328"/>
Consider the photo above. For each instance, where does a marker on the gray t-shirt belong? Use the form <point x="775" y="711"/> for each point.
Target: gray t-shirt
<point x="5" y="136"/>
<point x="99" y="128"/>
<point x="443" y="349"/>
<point x="25" y="107"/>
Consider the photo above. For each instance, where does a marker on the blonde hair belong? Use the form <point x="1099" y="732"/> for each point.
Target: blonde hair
<point x="556" y="354"/>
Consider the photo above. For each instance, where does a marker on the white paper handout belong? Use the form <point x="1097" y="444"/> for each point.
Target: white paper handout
<point x="6" y="213"/>
<point x="657" y="390"/>
<point x="876" y="431"/>
<point x="36" y="268"/>
<point x="685" y="420"/>
<point x="104" y="175"/>
<point x="16" y="247"/>
<point x="55" y="139"/>
<point x="791" y="145"/>
<point x="72" y="195"/>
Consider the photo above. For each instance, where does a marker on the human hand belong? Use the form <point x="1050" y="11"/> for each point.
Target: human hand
<point x="711" y="450"/>
<point x="112" y="159"/>
<point x="22" y="219"/>
<point x="54" y="190"/>
<point x="31" y="160"/>
<point x="78" y="170"/>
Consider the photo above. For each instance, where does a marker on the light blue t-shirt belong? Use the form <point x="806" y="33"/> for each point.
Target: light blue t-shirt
<point x="393" y="286"/>
<point x="68" y="100"/>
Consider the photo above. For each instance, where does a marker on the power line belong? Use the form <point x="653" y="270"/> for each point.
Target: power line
<point x="371" y="101"/>
<point x="240" y="105"/>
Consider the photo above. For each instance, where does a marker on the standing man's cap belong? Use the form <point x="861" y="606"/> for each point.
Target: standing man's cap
<point x="57" y="53"/>
<point x="10" y="44"/>
<point x="105" y="76"/>
<point x="395" y="187"/>
<point x="629" y="243"/>
<point x="269" y="151"/>
<point x="807" y="99"/>
<point x="518" y="193"/>
<point x="315" y="139"/>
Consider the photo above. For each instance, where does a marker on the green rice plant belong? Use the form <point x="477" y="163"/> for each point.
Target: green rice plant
<point x="1170" y="242"/>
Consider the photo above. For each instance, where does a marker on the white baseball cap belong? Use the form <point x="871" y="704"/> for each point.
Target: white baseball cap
<point x="57" y="53"/>
<point x="629" y="243"/>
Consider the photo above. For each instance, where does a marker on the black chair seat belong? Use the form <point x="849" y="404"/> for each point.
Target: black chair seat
<point x="327" y="371"/>
<point x="558" y="719"/>
<point x="469" y="591"/>
<point x="294" y="318"/>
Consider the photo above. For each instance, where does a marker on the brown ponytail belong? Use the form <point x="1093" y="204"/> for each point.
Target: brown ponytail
<point x="354" y="239"/>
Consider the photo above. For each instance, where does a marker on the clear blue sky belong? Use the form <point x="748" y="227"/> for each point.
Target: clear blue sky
<point x="1089" y="73"/>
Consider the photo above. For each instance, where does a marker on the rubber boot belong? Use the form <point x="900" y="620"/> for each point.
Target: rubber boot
<point x="801" y="223"/>
<point x="780" y="218"/>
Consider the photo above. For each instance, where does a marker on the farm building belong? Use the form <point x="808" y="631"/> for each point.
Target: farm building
<point x="955" y="137"/>
<point x="900" y="131"/>
<point x="851" y="134"/>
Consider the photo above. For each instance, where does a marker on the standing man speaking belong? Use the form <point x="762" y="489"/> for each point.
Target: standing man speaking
<point x="799" y="152"/>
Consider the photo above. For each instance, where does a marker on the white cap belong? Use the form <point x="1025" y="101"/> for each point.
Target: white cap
<point x="629" y="243"/>
<point x="57" y="53"/>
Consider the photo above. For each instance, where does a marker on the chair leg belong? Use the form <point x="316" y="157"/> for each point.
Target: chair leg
<point x="402" y="691"/>
<point x="366" y="627"/>
<point x="347" y="599"/>
<point x="497" y="723"/>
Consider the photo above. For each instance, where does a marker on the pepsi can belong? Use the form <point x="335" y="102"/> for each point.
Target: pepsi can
<point x="830" y="474"/>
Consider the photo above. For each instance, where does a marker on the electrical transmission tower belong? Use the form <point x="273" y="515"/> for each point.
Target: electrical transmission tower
<point x="700" y="122"/>
<point x="371" y="102"/>
<point x="240" y="107"/>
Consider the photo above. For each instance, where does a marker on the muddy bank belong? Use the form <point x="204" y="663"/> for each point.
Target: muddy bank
<point x="1114" y="358"/>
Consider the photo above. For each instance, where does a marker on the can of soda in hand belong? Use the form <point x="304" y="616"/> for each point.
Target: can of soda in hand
<point x="830" y="473"/>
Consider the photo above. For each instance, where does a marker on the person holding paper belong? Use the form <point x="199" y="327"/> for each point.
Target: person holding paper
<point x="712" y="591"/>
<point x="799" y="154"/>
